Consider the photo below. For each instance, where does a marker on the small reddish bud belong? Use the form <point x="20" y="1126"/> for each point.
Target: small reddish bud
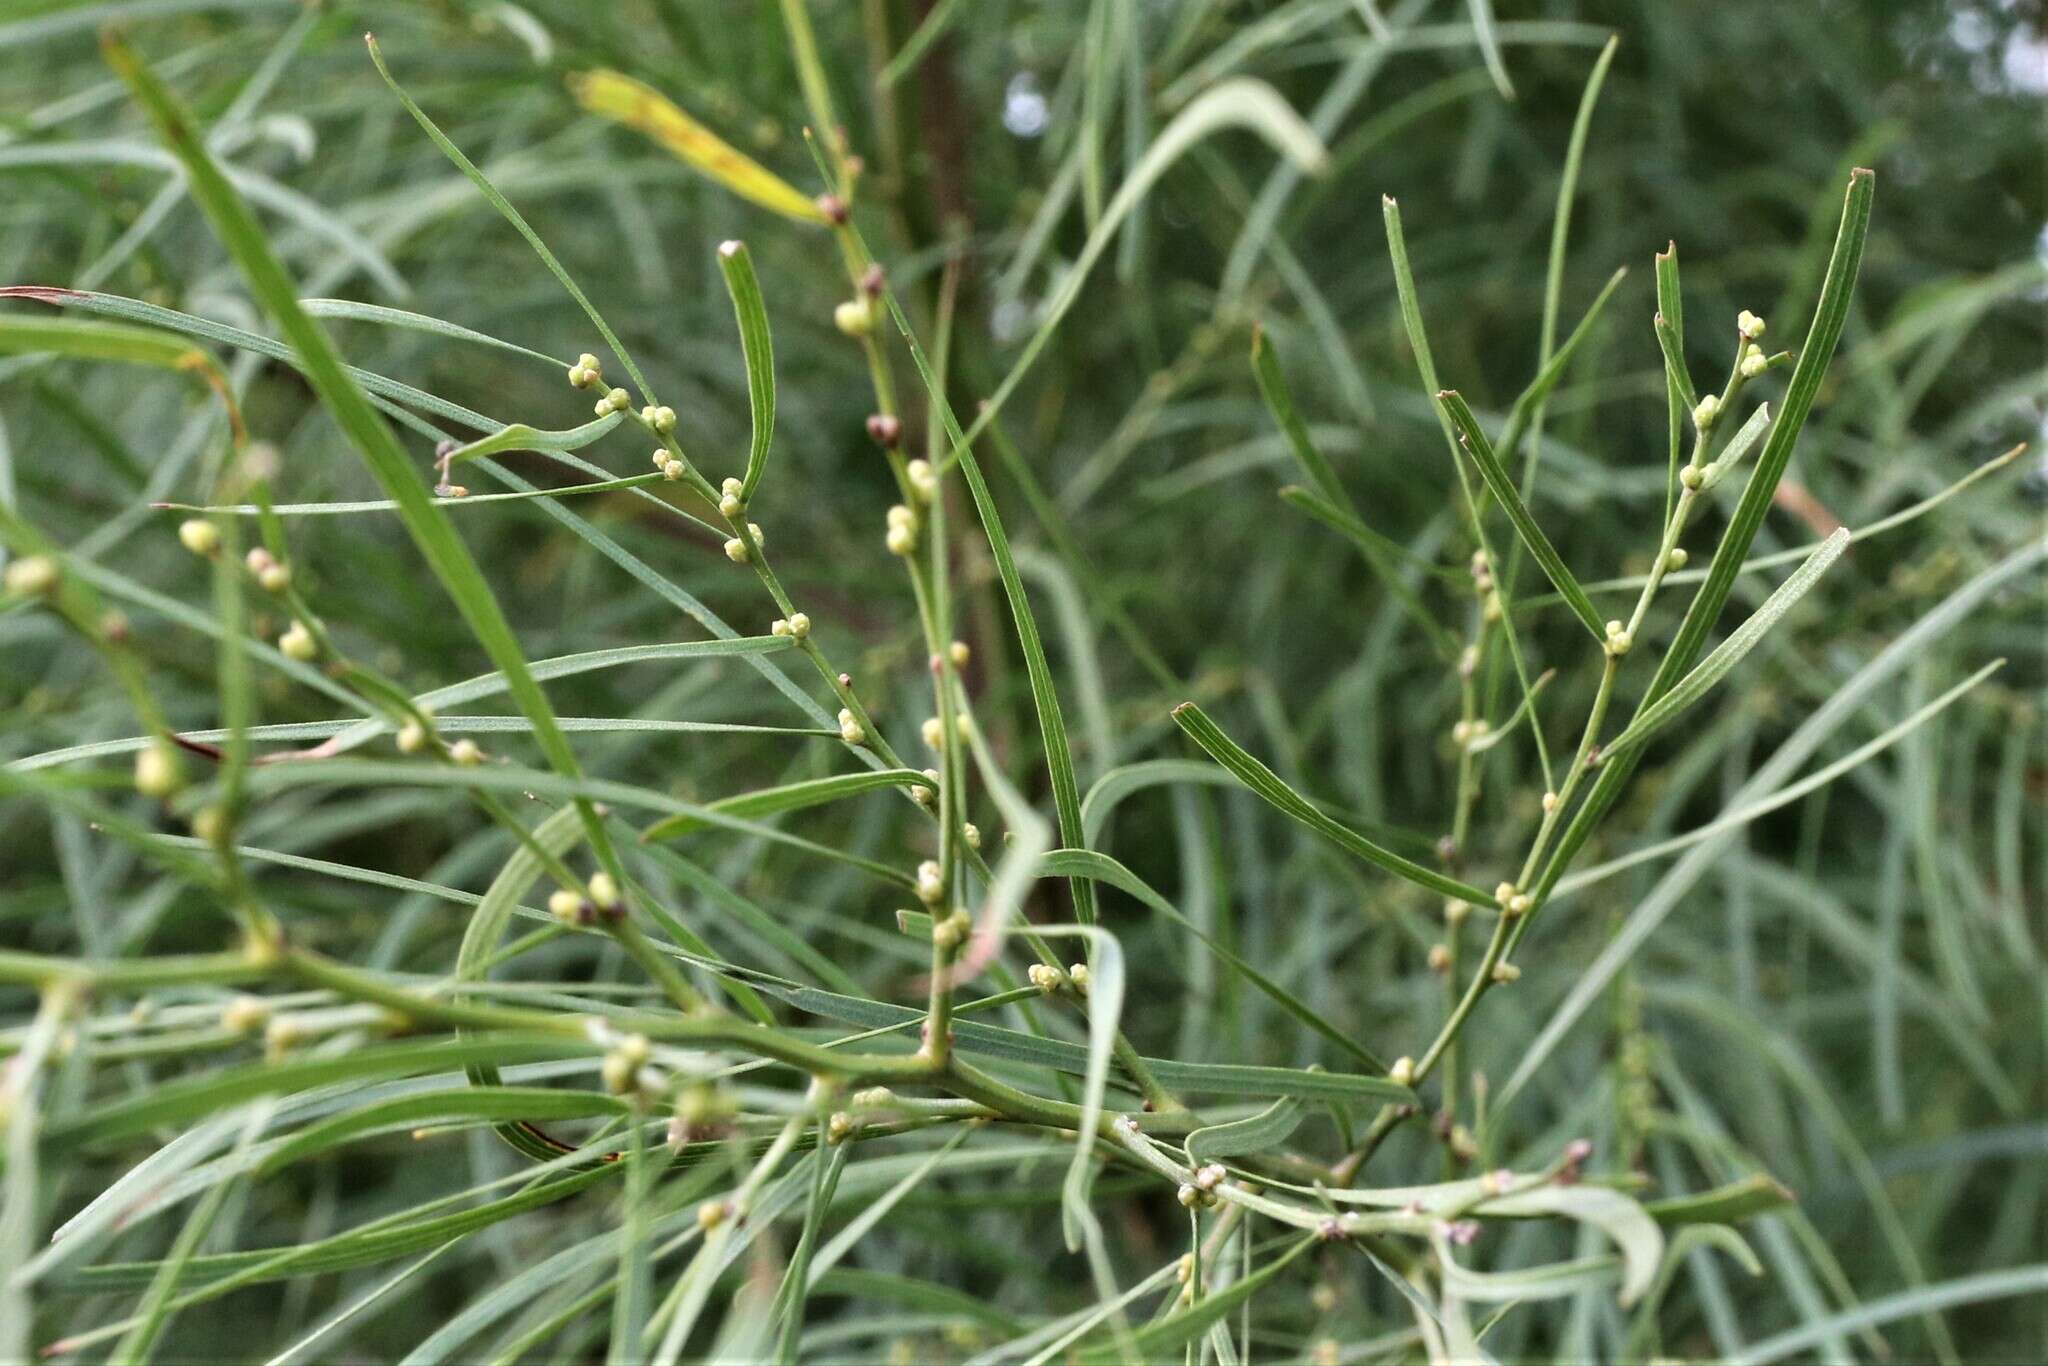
<point x="885" y="431"/>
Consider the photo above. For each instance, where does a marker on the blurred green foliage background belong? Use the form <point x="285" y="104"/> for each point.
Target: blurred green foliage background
<point x="1767" y="1011"/>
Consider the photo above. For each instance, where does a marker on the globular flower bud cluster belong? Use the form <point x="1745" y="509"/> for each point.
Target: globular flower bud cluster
<point x="1619" y="640"/>
<point x="297" y="642"/>
<point x="569" y="907"/>
<point x="736" y="549"/>
<point x="1465" y="733"/>
<point x="950" y="933"/>
<point x="1046" y="977"/>
<point x="662" y="419"/>
<point x="31" y="576"/>
<point x="797" y="626"/>
<point x="1705" y="411"/>
<point x="902" y="534"/>
<point x="931" y="883"/>
<point x="1749" y="325"/>
<point x="586" y="372"/>
<point x="1513" y="900"/>
<point x="730" y="504"/>
<point x="613" y="401"/>
<point x="156" y="770"/>
<point x="622" y="1065"/>
<point x="855" y="317"/>
<point x="923" y="482"/>
<point x="850" y="728"/>
<point x="245" y="1015"/>
<point x="199" y="536"/>
<point x="268" y="573"/>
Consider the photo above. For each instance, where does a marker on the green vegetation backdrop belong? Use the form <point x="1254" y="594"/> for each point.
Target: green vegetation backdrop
<point x="1759" y="1077"/>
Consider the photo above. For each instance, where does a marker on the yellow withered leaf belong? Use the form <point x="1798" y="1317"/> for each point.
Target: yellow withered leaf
<point x="646" y="110"/>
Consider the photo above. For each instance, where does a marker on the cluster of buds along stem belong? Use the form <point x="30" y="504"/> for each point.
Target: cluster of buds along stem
<point x="1705" y="411"/>
<point x="623" y="1066"/>
<point x="465" y="753"/>
<point x="1199" y="1191"/>
<point x="923" y="481"/>
<point x="850" y="728"/>
<point x="1402" y="1073"/>
<point x="270" y="575"/>
<point x="1482" y="573"/>
<point x="1754" y="362"/>
<point x="855" y="317"/>
<point x="797" y="626"/>
<point x="1513" y="900"/>
<point x="928" y="792"/>
<point x="660" y="419"/>
<point x="31" y="576"/>
<point x="1046" y="977"/>
<point x="901" y="537"/>
<point x="297" y="642"/>
<point x="157" y="771"/>
<point x="613" y="401"/>
<point x="885" y="430"/>
<point x="1618" y="639"/>
<point x="586" y="372"/>
<point x="1503" y="973"/>
<point x="281" y="1035"/>
<point x="931" y="883"/>
<point x="1749" y="325"/>
<point x="736" y="549"/>
<point x="730" y="502"/>
<point x="199" y="536"/>
<point x="1677" y="558"/>
<point x="933" y="731"/>
<point x="1465" y="734"/>
<point x="950" y="933"/>
<point x="414" y="734"/>
<point x="245" y="1015"/>
<point x="700" y="1112"/>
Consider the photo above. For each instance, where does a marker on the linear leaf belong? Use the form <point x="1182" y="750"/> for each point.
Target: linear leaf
<point x="647" y="111"/>
<point x="1265" y="783"/>
<point x="1729" y="652"/>
<point x="1269" y="1127"/>
<point x="520" y="437"/>
<point x="1280" y="403"/>
<point x="1502" y="485"/>
<point x="773" y="801"/>
<point x="736" y="263"/>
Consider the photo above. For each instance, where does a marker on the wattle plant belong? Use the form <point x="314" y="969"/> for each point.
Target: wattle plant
<point x="664" y="1043"/>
